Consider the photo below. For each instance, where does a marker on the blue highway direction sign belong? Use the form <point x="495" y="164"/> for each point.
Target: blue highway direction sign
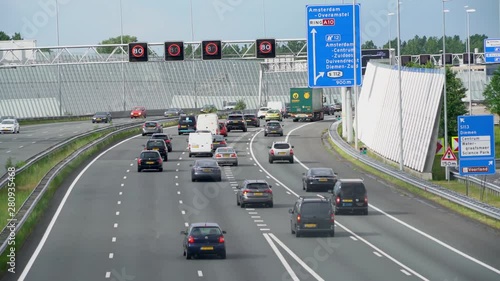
<point x="330" y="46"/>
<point x="492" y="50"/>
<point x="476" y="140"/>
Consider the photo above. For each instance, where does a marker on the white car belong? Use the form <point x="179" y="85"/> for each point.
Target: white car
<point x="261" y="114"/>
<point x="9" y="126"/>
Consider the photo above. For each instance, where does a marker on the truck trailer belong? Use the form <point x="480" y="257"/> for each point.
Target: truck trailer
<point x="306" y="104"/>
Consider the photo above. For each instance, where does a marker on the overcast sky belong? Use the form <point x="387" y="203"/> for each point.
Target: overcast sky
<point x="83" y="22"/>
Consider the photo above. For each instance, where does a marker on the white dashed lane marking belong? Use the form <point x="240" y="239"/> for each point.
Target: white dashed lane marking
<point x="120" y="193"/>
<point x="255" y="217"/>
<point x="176" y="177"/>
<point x="248" y="209"/>
<point x="113" y="239"/>
<point x="252" y="213"/>
<point x="111" y="255"/>
<point x="115" y="225"/>
<point x="258" y="220"/>
<point x="119" y="202"/>
<point x="33" y="142"/>
<point x="200" y="273"/>
<point x="178" y="192"/>
<point x="125" y="177"/>
<point x="21" y="146"/>
<point x="176" y="184"/>
<point x="128" y="171"/>
<point x="108" y="274"/>
<point x="265" y="229"/>
<point x="183" y="212"/>
<point x="186" y="224"/>
<point x="131" y="164"/>
<point x="176" y="170"/>
<point x="377" y="254"/>
<point x="178" y="164"/>
<point x="8" y="151"/>
<point x="122" y="184"/>
<point x="261" y="224"/>
<point x="180" y="202"/>
<point x="117" y="213"/>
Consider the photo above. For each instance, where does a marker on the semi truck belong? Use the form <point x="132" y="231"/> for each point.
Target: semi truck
<point x="306" y="104"/>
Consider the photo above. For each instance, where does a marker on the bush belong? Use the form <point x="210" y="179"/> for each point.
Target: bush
<point x="240" y="105"/>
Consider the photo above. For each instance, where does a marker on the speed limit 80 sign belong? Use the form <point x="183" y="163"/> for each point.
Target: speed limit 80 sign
<point x="266" y="48"/>
<point x="138" y="52"/>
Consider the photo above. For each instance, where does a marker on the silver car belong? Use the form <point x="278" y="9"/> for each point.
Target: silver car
<point x="226" y="156"/>
<point x="9" y="126"/>
<point x="151" y="127"/>
<point x="254" y="192"/>
<point x="280" y="151"/>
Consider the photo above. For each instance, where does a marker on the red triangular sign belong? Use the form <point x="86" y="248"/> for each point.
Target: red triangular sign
<point x="448" y="155"/>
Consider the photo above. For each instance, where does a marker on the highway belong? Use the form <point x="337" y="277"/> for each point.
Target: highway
<point x="117" y="224"/>
<point x="34" y="139"/>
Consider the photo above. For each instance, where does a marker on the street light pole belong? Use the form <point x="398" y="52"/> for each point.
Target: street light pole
<point x="401" y="155"/>
<point x="390" y="37"/>
<point x="192" y="52"/>
<point x="468" y="11"/>
<point x="58" y="61"/>
<point x="123" y="59"/>
<point x="445" y="113"/>
<point x="264" y="16"/>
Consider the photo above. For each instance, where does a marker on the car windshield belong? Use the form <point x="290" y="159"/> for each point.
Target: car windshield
<point x="273" y="124"/>
<point x="173" y="109"/>
<point x="205" y="231"/>
<point x="257" y="185"/>
<point x="7" y="122"/>
<point x="315" y="209"/>
<point x="163" y="137"/>
<point x="137" y="108"/>
<point x="186" y="120"/>
<point x="235" y="117"/>
<point x="151" y="124"/>
<point x="352" y="189"/>
<point x="206" y="163"/>
<point x="273" y="111"/>
<point x="225" y="150"/>
<point x="100" y="113"/>
<point x="249" y="115"/>
<point x="322" y="172"/>
<point x="281" y="146"/>
<point x="150" y="155"/>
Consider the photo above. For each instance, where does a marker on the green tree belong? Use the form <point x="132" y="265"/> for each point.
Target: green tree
<point x="369" y="45"/>
<point x="116" y="40"/>
<point x="240" y="105"/>
<point x="4" y="36"/>
<point x="17" y="36"/>
<point x="455" y="92"/>
<point x="477" y="41"/>
<point x="231" y="51"/>
<point x="492" y="93"/>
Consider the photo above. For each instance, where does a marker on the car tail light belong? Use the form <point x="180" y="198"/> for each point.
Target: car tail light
<point x="212" y="146"/>
<point x="139" y="161"/>
<point x="221" y="239"/>
<point x="233" y="155"/>
<point x="190" y="240"/>
<point x="337" y="200"/>
<point x="178" y="125"/>
<point x="160" y="161"/>
<point x="223" y="142"/>
<point x="144" y="125"/>
<point x="245" y="192"/>
<point x="332" y="217"/>
<point x="271" y="151"/>
<point x="218" y="155"/>
<point x="268" y="191"/>
<point x="366" y="199"/>
<point x="291" y="151"/>
<point x="167" y="141"/>
<point x="298" y="217"/>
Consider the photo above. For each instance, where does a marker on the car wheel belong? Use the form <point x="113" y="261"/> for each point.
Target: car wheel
<point x="307" y="188"/>
<point x="188" y="256"/>
<point x="270" y="161"/>
<point x="291" y="228"/>
<point x="265" y="134"/>
<point x="165" y="158"/>
<point x="219" y="178"/>
<point x="297" y="233"/>
<point x="193" y="179"/>
<point x="235" y="164"/>
<point x="244" y="130"/>
<point x="190" y="155"/>
<point x="139" y="169"/>
<point x="228" y="130"/>
<point x="160" y="170"/>
<point x="143" y="134"/>
<point x="291" y="160"/>
<point x="303" y="186"/>
<point x="93" y="122"/>
<point x="223" y="255"/>
<point x="242" y="205"/>
<point x="332" y="234"/>
<point x="180" y="134"/>
<point x="170" y="150"/>
<point x="237" y="201"/>
<point x="270" y="205"/>
<point x="281" y="134"/>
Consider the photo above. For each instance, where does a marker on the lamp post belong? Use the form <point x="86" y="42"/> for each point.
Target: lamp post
<point x="123" y="59"/>
<point x="264" y="17"/>
<point x="468" y="11"/>
<point x="58" y="61"/>
<point x="445" y="113"/>
<point x="192" y="52"/>
<point x="401" y="156"/>
<point x="389" y="15"/>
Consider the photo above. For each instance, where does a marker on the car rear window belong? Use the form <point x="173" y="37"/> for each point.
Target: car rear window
<point x="281" y="146"/>
<point x="273" y="111"/>
<point x="353" y="189"/>
<point x="152" y="155"/>
<point x="259" y="185"/>
<point x="310" y="209"/>
<point x="321" y="172"/>
<point x="274" y="124"/>
<point x="250" y="115"/>
<point x="207" y="163"/>
<point x="235" y="117"/>
<point x="205" y="231"/>
<point x="225" y="150"/>
<point x="7" y="122"/>
<point x="218" y="138"/>
<point x="187" y="120"/>
<point x="151" y="124"/>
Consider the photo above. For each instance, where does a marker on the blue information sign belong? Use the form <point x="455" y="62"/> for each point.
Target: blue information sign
<point x="330" y="46"/>
<point x="492" y="50"/>
<point x="476" y="139"/>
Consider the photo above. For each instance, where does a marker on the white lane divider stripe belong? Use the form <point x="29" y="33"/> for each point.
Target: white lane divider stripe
<point x="113" y="239"/>
<point x="186" y="224"/>
<point x="111" y="255"/>
<point x="200" y="273"/>
<point x="115" y="225"/>
<point x="296" y="258"/>
<point x="255" y="217"/>
<point x="180" y="202"/>
<point x="281" y="258"/>
<point x="178" y="192"/>
<point x="122" y="184"/>
<point x="119" y="202"/>
<point x="108" y="274"/>
<point x="117" y="213"/>
<point x="183" y="212"/>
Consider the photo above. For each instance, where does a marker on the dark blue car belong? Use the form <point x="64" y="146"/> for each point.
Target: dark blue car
<point x="203" y="239"/>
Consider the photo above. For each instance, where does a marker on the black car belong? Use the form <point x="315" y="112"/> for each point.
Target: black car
<point x="149" y="159"/>
<point x="350" y="195"/>
<point x="312" y="215"/>
<point x="204" y="238"/>
<point x="206" y="169"/>
<point x="236" y="122"/>
<point x="327" y="109"/>
<point x="319" y="178"/>
<point x="218" y="141"/>
<point x="187" y="124"/>
<point x="252" y="120"/>
<point x="166" y="138"/>
<point x="101" y="117"/>
<point x="171" y="112"/>
<point x="158" y="145"/>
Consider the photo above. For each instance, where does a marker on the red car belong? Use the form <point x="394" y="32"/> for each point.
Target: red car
<point x="222" y="129"/>
<point x="138" y="112"/>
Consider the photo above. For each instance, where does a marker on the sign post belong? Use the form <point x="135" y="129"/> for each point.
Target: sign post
<point x="330" y="43"/>
<point x="477" y="145"/>
<point x="492" y="50"/>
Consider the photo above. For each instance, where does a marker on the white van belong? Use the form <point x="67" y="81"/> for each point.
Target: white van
<point x="276" y="105"/>
<point x="208" y="122"/>
<point x="200" y="144"/>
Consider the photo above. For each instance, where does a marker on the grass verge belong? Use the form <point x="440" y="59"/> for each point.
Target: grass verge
<point x="415" y="190"/>
<point x="55" y="120"/>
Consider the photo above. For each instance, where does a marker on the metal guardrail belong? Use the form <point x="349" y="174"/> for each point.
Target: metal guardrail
<point x="458" y="198"/>
<point x="32" y="160"/>
<point x="30" y="203"/>
<point x="476" y="181"/>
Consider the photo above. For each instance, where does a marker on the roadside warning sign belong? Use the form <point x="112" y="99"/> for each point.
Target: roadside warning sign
<point x="449" y="159"/>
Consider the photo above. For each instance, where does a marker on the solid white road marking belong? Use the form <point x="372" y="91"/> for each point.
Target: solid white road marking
<point x="128" y="171"/>
<point x="122" y="184"/>
<point x="111" y="255"/>
<point x="353" y="238"/>
<point x="119" y="202"/>
<point x="108" y="274"/>
<point x="115" y="225"/>
<point x="377" y="254"/>
<point x="405" y="272"/>
<point x="117" y="213"/>
<point x="294" y="256"/>
<point x="281" y="258"/>
<point x="200" y="273"/>
<point x="113" y="239"/>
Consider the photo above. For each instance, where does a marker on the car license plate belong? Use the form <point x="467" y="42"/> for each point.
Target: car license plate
<point x="258" y="194"/>
<point x="323" y="179"/>
<point x="150" y="162"/>
<point x="282" y="153"/>
<point x="183" y="126"/>
<point x="207" y="170"/>
<point x="156" y="148"/>
<point x="347" y="200"/>
<point x="196" y="146"/>
<point x="274" y="131"/>
<point x="347" y="204"/>
<point x="216" y="142"/>
<point x="207" y="248"/>
<point x="227" y="155"/>
<point x="310" y="225"/>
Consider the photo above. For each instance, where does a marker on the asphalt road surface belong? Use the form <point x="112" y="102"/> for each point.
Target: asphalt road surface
<point x="34" y="139"/>
<point x="117" y="224"/>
